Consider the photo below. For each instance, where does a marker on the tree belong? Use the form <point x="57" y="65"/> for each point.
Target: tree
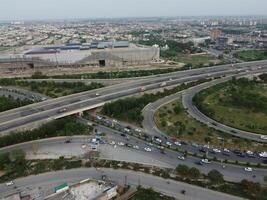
<point x="250" y="186"/>
<point x="194" y="173"/>
<point x="4" y="160"/>
<point x="18" y="156"/>
<point x="215" y="177"/>
<point x="182" y="170"/>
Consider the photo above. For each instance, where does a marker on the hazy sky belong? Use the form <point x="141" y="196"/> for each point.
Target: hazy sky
<point x="60" y="9"/>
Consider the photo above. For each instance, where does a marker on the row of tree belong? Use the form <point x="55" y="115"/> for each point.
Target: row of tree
<point x="7" y="103"/>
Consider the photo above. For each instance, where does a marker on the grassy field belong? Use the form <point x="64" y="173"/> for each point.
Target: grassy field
<point x="251" y="55"/>
<point x="240" y="117"/>
<point x="204" y="59"/>
<point x="174" y="120"/>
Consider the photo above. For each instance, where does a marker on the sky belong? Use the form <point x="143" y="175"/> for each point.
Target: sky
<point x="72" y="9"/>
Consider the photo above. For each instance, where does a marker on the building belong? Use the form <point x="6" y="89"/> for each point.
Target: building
<point x="88" y="189"/>
<point x="215" y="34"/>
<point x="109" y="53"/>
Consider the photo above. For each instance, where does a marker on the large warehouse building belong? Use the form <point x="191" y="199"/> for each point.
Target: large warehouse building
<point x="113" y="53"/>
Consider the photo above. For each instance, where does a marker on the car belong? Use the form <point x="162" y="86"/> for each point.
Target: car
<point x="121" y="144"/>
<point x="216" y="150"/>
<point x="158" y="140"/>
<point x="114" y="121"/>
<point x="62" y="110"/>
<point x="202" y="150"/>
<point x="195" y="145"/>
<point x="127" y="130"/>
<point x="67" y="141"/>
<point x="181" y="157"/>
<point x="214" y="124"/>
<point x="198" y="163"/>
<point x="168" y="143"/>
<point x="248" y="169"/>
<point x="136" y="147"/>
<point x="263" y="154"/>
<point x="9" y="183"/>
<point x="233" y="131"/>
<point x="162" y="151"/>
<point x="206" y="146"/>
<point x="177" y="143"/>
<point x="148" y="149"/>
<point x="128" y="145"/>
<point x="123" y="135"/>
<point x="206" y="161"/>
<point x="97" y="94"/>
<point x="112" y="143"/>
<point x="83" y="146"/>
<point x="138" y="130"/>
<point x="263" y="137"/>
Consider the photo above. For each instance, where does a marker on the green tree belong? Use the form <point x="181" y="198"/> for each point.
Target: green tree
<point x="215" y="177"/>
<point x="194" y="173"/>
<point x="4" y="160"/>
<point x="182" y="170"/>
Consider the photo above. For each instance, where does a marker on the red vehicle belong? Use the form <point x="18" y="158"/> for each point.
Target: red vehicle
<point x="162" y="151"/>
<point x="173" y="139"/>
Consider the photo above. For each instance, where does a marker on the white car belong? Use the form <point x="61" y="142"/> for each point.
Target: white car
<point x="114" y="121"/>
<point x="177" y="143"/>
<point x="206" y="146"/>
<point x="9" y="183"/>
<point x="263" y="137"/>
<point x="150" y="144"/>
<point x="168" y="143"/>
<point x="138" y="130"/>
<point x="127" y="130"/>
<point x="112" y="143"/>
<point x="121" y="144"/>
<point x="158" y="140"/>
<point x="263" y="154"/>
<point x="226" y="150"/>
<point x="83" y="146"/>
<point x="136" y="147"/>
<point x="248" y="169"/>
<point x="148" y="149"/>
<point x="181" y="157"/>
<point x="206" y="161"/>
<point x="97" y="94"/>
<point x="216" y="150"/>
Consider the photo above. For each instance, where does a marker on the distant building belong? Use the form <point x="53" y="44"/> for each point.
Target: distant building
<point x="224" y="41"/>
<point x="215" y="34"/>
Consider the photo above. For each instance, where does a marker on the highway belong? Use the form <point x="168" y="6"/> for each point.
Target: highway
<point x="198" y="115"/>
<point x="168" y="187"/>
<point x="23" y="117"/>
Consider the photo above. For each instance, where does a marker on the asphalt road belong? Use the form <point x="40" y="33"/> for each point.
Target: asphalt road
<point x="169" y="187"/>
<point x="56" y="145"/>
<point x="23" y="117"/>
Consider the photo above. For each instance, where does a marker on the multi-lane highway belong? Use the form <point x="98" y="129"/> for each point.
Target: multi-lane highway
<point x="23" y="117"/>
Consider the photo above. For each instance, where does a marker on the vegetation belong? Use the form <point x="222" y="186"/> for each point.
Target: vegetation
<point x="238" y="103"/>
<point x="60" y="127"/>
<point x="144" y="194"/>
<point x="130" y="109"/>
<point x="7" y="103"/>
<point x="215" y="177"/>
<point x="251" y="55"/>
<point x="185" y="171"/>
<point x="174" y="120"/>
<point x="51" y="88"/>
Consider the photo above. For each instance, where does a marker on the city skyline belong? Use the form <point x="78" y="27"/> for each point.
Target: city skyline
<point x="69" y="9"/>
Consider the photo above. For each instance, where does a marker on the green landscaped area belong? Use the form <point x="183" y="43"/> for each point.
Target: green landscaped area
<point x="145" y="194"/>
<point x="175" y="121"/>
<point x="251" y="55"/>
<point x="4" y="48"/>
<point x="51" y="88"/>
<point x="238" y="103"/>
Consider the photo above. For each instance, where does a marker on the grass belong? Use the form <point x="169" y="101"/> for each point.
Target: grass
<point x="4" y="48"/>
<point x="238" y="117"/>
<point x="175" y="121"/>
<point x="203" y="59"/>
<point x="251" y="55"/>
